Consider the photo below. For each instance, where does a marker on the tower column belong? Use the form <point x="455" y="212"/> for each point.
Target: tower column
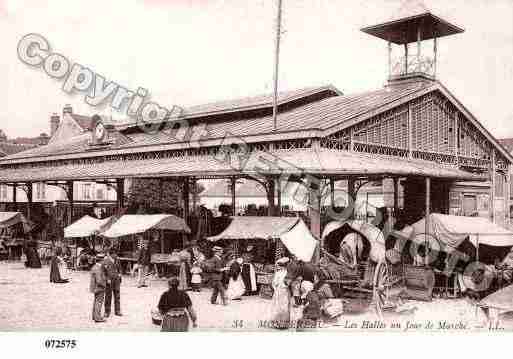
<point x="419" y="48"/>
<point x="389" y="59"/>
<point x="435" y="54"/>
<point x="405" y="59"/>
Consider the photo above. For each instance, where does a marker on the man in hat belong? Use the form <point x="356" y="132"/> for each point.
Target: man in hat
<point x="97" y="287"/>
<point x="248" y="271"/>
<point x="113" y="273"/>
<point x="215" y="268"/>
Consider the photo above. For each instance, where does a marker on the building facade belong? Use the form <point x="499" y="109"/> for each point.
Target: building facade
<point x="413" y="134"/>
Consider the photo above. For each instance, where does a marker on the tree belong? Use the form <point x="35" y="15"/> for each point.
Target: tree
<point x="152" y="194"/>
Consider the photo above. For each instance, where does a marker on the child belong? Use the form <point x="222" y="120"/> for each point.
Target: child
<point x="295" y="288"/>
<point x="196" y="277"/>
<point x="312" y="307"/>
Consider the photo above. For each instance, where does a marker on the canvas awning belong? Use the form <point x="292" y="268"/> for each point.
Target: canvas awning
<point x="140" y="223"/>
<point x="8" y="219"/>
<point x="501" y="299"/>
<point x="292" y="231"/>
<point x="451" y="231"/>
<point x="85" y="227"/>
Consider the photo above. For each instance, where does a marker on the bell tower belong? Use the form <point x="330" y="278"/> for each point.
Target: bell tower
<point x="413" y="23"/>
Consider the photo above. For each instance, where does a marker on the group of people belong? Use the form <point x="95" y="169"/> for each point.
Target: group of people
<point x="187" y="268"/>
<point x="295" y="285"/>
<point x="105" y="283"/>
<point x="298" y="295"/>
<point x="230" y="280"/>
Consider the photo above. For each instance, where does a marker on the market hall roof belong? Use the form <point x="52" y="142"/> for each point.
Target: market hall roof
<point x="317" y="117"/>
<point x="304" y="114"/>
<point x="321" y="162"/>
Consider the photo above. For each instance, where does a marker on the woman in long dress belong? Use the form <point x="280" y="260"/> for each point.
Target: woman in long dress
<point x="57" y="267"/>
<point x="183" y="273"/>
<point x="280" y="303"/>
<point x="236" y="286"/>
<point x="175" y="307"/>
<point x="33" y="260"/>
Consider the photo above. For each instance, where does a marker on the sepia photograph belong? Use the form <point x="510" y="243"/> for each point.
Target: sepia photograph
<point x="258" y="167"/>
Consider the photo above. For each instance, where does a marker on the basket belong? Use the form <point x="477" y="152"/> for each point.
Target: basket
<point x="266" y="291"/>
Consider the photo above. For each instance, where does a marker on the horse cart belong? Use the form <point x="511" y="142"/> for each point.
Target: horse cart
<point x="354" y="260"/>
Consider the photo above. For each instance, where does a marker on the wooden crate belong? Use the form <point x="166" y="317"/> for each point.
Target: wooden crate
<point x="419" y="282"/>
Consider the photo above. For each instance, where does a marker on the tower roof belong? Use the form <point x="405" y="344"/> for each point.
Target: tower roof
<point x="403" y="27"/>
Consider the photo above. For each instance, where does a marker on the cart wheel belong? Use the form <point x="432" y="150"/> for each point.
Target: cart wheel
<point x="380" y="287"/>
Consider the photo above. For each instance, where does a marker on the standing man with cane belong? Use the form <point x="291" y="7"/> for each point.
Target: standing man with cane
<point x="113" y="272"/>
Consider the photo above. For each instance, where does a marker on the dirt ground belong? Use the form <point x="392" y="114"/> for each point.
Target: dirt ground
<point x="29" y="302"/>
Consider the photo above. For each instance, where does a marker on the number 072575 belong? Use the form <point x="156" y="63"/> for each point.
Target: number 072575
<point x="60" y="343"/>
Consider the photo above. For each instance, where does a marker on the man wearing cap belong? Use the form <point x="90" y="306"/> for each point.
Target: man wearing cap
<point x="97" y="287"/>
<point x="215" y="268"/>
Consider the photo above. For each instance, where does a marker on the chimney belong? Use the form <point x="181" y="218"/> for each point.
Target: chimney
<point x="43" y="139"/>
<point x="54" y="123"/>
<point x="67" y="109"/>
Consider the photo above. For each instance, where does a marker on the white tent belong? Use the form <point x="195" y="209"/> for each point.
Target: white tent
<point x="140" y="223"/>
<point x="85" y="227"/>
<point x="452" y="230"/>
<point x="300" y="242"/>
<point x="292" y="231"/>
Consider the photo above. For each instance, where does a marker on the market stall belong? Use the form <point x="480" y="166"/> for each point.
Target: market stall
<point x="82" y="235"/>
<point x="455" y="242"/>
<point x="166" y="232"/>
<point x="13" y="227"/>
<point x="270" y="239"/>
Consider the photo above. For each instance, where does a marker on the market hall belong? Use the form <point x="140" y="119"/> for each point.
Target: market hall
<point x="412" y="132"/>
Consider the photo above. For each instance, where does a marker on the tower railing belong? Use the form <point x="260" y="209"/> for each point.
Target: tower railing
<point x="424" y="65"/>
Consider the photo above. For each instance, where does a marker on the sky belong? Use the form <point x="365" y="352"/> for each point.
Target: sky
<point x="188" y="52"/>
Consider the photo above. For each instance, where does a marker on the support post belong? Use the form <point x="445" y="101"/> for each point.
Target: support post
<point x="314" y="208"/>
<point x="15" y="194"/>
<point x="186" y="198"/>
<point x="194" y="183"/>
<point x="232" y="189"/>
<point x="492" y="188"/>
<point x="456" y="139"/>
<point x="161" y="191"/>
<point x="71" y="197"/>
<point x="507" y="195"/>
<point x="278" y="194"/>
<point x="270" y="197"/>
<point x="410" y="131"/>
<point x="120" y="193"/>
<point x="428" y="212"/>
<point x="30" y="198"/>
<point x="396" y="196"/>
<point x="352" y="197"/>
<point x="332" y="192"/>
